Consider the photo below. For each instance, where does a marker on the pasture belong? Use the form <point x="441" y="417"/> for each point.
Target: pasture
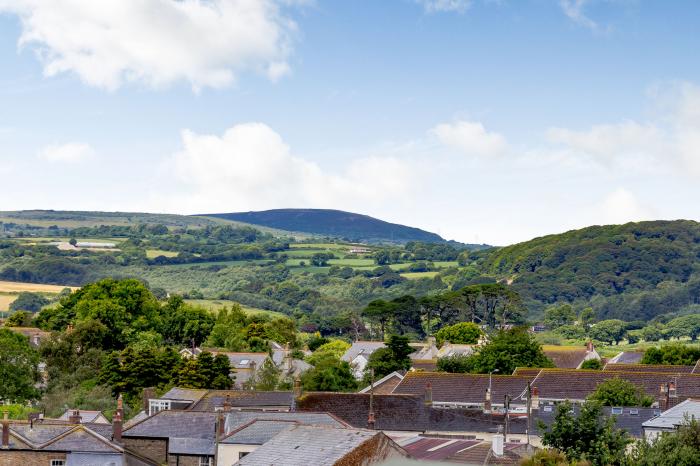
<point x="18" y="287"/>
<point x="216" y="304"/>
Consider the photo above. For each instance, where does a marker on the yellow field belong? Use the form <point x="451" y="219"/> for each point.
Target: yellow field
<point x="153" y="253"/>
<point x="6" y="300"/>
<point x="17" y="287"/>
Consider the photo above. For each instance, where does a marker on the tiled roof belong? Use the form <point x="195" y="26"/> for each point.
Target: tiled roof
<point x="40" y="432"/>
<point x="85" y="416"/>
<point x="434" y="449"/>
<point x="306" y="445"/>
<point x="243" y="399"/>
<point x="527" y="371"/>
<point x="462" y="388"/>
<point x="257" y="432"/>
<point x="80" y="439"/>
<point x="563" y="384"/>
<point x="362" y="347"/>
<point x="104" y="430"/>
<point x="385" y="385"/>
<point x="627" y="357"/>
<point x="662" y="368"/>
<point x="481" y="454"/>
<point x="180" y="424"/>
<point x="565" y="357"/>
<point x="423" y="365"/>
<point x="191" y="446"/>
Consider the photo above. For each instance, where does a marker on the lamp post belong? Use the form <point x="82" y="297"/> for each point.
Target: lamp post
<point x="490" y="374"/>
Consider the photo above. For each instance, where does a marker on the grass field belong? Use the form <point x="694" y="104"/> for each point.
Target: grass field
<point x="216" y="304"/>
<point x="153" y="253"/>
<point x="321" y="246"/>
<point x="417" y="275"/>
<point x="352" y="262"/>
<point x="5" y="300"/>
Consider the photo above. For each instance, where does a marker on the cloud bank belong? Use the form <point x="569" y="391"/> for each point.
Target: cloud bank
<point x="156" y="42"/>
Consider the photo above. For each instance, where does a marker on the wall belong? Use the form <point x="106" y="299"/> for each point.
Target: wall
<point x="28" y="458"/>
<point x="229" y="454"/>
<point x="155" y="449"/>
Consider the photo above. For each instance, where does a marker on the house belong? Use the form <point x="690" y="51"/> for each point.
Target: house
<point x="85" y="416"/>
<point x="244" y="364"/>
<point x="246" y="431"/>
<point x="658" y="368"/>
<point x="570" y="357"/>
<point x="669" y="420"/>
<point x="303" y="445"/>
<point x="384" y="385"/>
<point x="175" y="398"/>
<point x="290" y="366"/>
<point x="482" y="391"/>
<point x="189" y="353"/>
<point x="358" y="355"/>
<point x="35" y="335"/>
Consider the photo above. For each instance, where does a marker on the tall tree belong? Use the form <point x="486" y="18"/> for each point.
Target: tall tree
<point x="18" y="367"/>
<point x="507" y="350"/>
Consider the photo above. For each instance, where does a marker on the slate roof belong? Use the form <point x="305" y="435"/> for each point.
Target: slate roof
<point x="54" y="436"/>
<point x="451" y="349"/>
<point x="563" y="384"/>
<point x="673" y="417"/>
<point x="462" y="388"/>
<point x="213" y="399"/>
<point x="627" y="357"/>
<point x="184" y="394"/>
<point x="243" y="360"/>
<point x="191" y="446"/>
<point x="81" y="439"/>
<point x="298" y="365"/>
<point x="237" y="419"/>
<point x="307" y="445"/>
<point x="177" y="424"/>
<point x="566" y="357"/>
<point x="257" y="432"/>
<point x="40" y="432"/>
<point x="385" y="385"/>
<point x="627" y="420"/>
<point x="435" y="449"/>
<point x="85" y="416"/>
<point x="527" y="371"/>
<point x="662" y="368"/>
<point x="361" y="347"/>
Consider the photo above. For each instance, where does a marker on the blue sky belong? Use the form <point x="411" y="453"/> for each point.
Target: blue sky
<point x="484" y="120"/>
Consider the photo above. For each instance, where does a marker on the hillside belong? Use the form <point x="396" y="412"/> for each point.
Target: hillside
<point x="336" y="223"/>
<point x="631" y="271"/>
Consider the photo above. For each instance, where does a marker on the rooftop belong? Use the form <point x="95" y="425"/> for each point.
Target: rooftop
<point x="673" y="417"/>
<point x="661" y="368"/>
<point x="213" y="399"/>
<point x="361" y="347"/>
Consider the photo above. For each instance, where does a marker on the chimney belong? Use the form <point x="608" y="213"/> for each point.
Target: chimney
<point x="672" y="389"/>
<point x="287" y="358"/>
<point x="227" y="403"/>
<point x="6" y="430"/>
<point x="487" y="401"/>
<point x="75" y="417"/>
<point x="297" y="388"/>
<point x="535" y="398"/>
<point x="220" y="424"/>
<point x="663" y="397"/>
<point x="497" y="443"/>
<point x="147" y="395"/>
<point x="117" y="421"/>
<point x="428" y="394"/>
<point x="589" y="346"/>
<point x="35" y="339"/>
<point x="430" y="341"/>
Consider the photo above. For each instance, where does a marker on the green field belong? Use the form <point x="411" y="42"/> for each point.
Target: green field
<point x="216" y="304"/>
<point x="417" y="275"/>
<point x="153" y="253"/>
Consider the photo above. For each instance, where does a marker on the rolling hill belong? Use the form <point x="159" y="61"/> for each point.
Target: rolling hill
<point x="336" y="223"/>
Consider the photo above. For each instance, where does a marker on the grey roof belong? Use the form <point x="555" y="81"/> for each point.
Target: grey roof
<point x="243" y="399"/>
<point x="85" y="416"/>
<point x="626" y="420"/>
<point x="673" y="417"/>
<point x="190" y="446"/>
<point x="104" y="430"/>
<point x="40" y="433"/>
<point x="298" y="365"/>
<point x="258" y="432"/>
<point x="180" y="424"/>
<point x="362" y="347"/>
<point x="243" y="360"/>
<point x="81" y="440"/>
<point x="236" y="419"/>
<point x="627" y="357"/>
<point x="183" y="394"/>
<point x="307" y="445"/>
<point x="98" y="459"/>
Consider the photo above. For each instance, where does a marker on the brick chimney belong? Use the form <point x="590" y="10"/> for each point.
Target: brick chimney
<point x="220" y="424"/>
<point x="589" y="346"/>
<point x="147" y="395"/>
<point x="428" y="394"/>
<point x="118" y="420"/>
<point x="227" y="403"/>
<point x="6" y="430"/>
<point x="535" y="398"/>
<point x="75" y="417"/>
<point x="487" y="401"/>
<point x="672" y="389"/>
<point x="663" y="397"/>
<point x="297" y="388"/>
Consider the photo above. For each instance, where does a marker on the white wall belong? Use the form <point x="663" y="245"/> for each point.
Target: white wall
<point x="230" y="453"/>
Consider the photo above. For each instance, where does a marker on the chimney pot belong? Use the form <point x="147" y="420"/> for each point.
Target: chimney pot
<point x="297" y="388"/>
<point x="429" y="394"/>
<point x="497" y="444"/>
<point x="75" y="417"/>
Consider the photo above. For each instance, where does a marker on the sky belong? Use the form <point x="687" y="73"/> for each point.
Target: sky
<point x="488" y="121"/>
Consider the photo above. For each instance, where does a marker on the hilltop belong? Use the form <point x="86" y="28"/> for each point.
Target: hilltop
<point x="335" y="223"/>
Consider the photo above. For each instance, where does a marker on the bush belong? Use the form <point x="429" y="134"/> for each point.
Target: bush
<point x="464" y="333"/>
<point x="592" y="364"/>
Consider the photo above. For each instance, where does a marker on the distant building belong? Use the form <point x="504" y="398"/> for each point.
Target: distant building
<point x="570" y="357"/>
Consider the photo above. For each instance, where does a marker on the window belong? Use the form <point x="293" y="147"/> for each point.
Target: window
<point x="617" y="411"/>
<point x="245" y="362"/>
<point x="547" y="409"/>
<point x="155" y="406"/>
<point x="58" y="462"/>
<point x="634" y="411"/>
<point x="205" y="461"/>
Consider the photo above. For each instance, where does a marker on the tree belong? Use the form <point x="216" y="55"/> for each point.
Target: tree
<point x="19" y="319"/>
<point x="608" y="331"/>
<point x="681" y="447"/>
<point x="456" y="363"/>
<point x="507" y="350"/>
<point x="332" y="375"/>
<point x="557" y="316"/>
<point x="620" y="392"/>
<point x="27" y="301"/>
<point x="394" y="357"/>
<point x="184" y="324"/>
<point x="571" y="331"/>
<point x="266" y="378"/>
<point x="676" y="354"/>
<point x="586" y="436"/>
<point x="73" y="242"/>
<point x="685" y="326"/>
<point x="652" y="332"/>
<point x="333" y="349"/>
<point x="547" y="457"/>
<point x="379" y="312"/>
<point x="18" y="367"/>
<point x="407" y="316"/>
<point x="320" y="259"/>
<point x="463" y="333"/>
<point x="586" y="317"/>
<point x="592" y="364"/>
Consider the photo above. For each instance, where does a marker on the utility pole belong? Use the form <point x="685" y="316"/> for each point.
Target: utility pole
<point x="370" y="417"/>
<point x="529" y="409"/>
<point x="506" y="405"/>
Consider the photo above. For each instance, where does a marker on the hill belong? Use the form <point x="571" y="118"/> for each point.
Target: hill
<point x="631" y="271"/>
<point x="336" y="223"/>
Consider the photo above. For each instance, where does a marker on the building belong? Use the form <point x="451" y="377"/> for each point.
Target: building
<point x="85" y="416"/>
<point x="658" y="368"/>
<point x="627" y="357"/>
<point x="669" y="420"/>
<point x="303" y="445"/>
<point x="358" y="355"/>
<point x="570" y="357"/>
<point x="185" y="399"/>
<point x="385" y="385"/>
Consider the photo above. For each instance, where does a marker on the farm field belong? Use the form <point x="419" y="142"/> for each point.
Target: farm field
<point x="5" y="300"/>
<point x="153" y="253"/>
<point x="417" y="275"/>
<point x="17" y="287"/>
<point x="216" y="304"/>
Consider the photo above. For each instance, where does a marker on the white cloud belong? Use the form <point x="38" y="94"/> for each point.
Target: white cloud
<point x="71" y="152"/>
<point x="156" y="42"/>
<point x="251" y="167"/>
<point x="621" y="206"/>
<point x="574" y="10"/>
<point x="471" y="138"/>
<point x="438" y="6"/>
